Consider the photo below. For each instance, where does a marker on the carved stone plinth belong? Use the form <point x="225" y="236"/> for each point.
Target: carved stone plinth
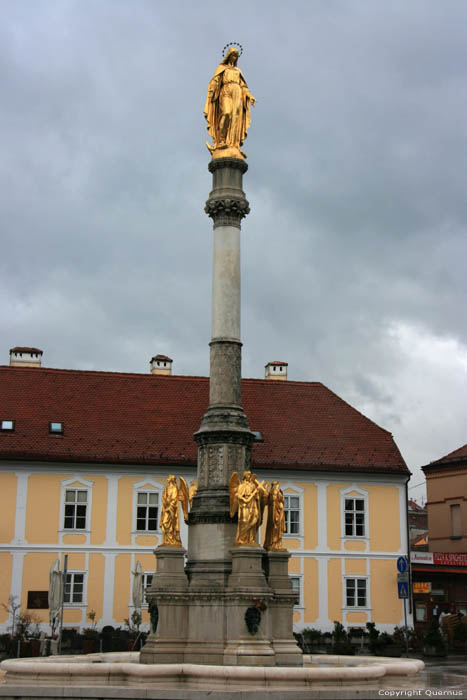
<point x="281" y="607"/>
<point x="169" y="584"/>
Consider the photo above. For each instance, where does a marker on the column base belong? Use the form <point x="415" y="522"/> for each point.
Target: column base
<point x="244" y="623"/>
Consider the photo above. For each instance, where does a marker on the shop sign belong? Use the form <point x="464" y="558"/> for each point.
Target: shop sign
<point x="450" y="558"/>
<point x="421" y="557"/>
<point x="440" y="558"/>
<point x="422" y="587"/>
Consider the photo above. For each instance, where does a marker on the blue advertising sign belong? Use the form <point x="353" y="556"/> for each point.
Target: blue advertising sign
<point x="402" y="565"/>
<point x="403" y="589"/>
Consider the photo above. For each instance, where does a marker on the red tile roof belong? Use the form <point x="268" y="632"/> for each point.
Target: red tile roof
<point x="414" y="506"/>
<point x="459" y="455"/>
<point x="144" y="418"/>
<point x="276" y="362"/>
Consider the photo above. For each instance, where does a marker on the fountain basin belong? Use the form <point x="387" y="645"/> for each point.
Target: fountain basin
<point x="120" y="675"/>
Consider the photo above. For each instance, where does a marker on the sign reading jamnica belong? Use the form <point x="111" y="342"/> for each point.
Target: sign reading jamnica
<point x="442" y="558"/>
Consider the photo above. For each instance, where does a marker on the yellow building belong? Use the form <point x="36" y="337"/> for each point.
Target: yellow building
<point x="84" y="456"/>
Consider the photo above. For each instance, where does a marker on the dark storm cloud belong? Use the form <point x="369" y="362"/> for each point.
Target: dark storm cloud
<point x="353" y="253"/>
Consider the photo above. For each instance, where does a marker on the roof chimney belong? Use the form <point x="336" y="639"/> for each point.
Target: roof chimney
<point x="161" y="364"/>
<point x="25" y="357"/>
<point x="276" y="370"/>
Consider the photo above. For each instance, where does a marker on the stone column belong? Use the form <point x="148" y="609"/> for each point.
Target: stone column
<point x="224" y="439"/>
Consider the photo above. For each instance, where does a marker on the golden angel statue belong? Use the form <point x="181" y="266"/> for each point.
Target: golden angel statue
<point x="192" y="491"/>
<point x="171" y="496"/>
<point x="275" y="524"/>
<point x="248" y="497"/>
<point x="227" y="108"/>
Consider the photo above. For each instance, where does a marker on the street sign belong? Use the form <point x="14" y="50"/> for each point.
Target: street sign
<point x="403" y="577"/>
<point x="403" y="589"/>
<point x="402" y="565"/>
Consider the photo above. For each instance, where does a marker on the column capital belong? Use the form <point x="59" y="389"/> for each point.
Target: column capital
<point x="227" y="204"/>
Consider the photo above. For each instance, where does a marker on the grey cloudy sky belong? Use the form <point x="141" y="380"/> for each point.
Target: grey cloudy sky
<point x="354" y="251"/>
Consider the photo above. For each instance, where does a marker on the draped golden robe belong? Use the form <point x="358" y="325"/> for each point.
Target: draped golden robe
<point x="228" y="95"/>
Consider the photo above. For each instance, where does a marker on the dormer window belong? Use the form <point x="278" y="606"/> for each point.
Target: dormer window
<point x="8" y="426"/>
<point x="56" y="428"/>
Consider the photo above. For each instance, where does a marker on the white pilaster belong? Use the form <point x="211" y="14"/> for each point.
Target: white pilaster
<point x="109" y="587"/>
<point x="17" y="578"/>
<point x="322" y="515"/>
<point x="21" y="500"/>
<point x="323" y="604"/>
<point x="112" y="501"/>
<point x="403" y="515"/>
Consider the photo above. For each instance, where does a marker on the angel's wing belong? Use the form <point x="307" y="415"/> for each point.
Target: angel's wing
<point x="192" y="490"/>
<point x="263" y="489"/>
<point x="233" y="488"/>
<point x="183" y="497"/>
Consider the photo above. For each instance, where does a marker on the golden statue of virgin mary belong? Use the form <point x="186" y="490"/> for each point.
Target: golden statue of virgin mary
<point x="227" y="108"/>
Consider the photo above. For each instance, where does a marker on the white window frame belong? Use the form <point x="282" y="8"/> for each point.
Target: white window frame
<point x="78" y="484"/>
<point x="142" y="487"/>
<point x="299" y="578"/>
<point x="83" y="603"/>
<point x="145" y="585"/>
<point x="356" y="607"/>
<point x="355" y="492"/>
<point x="290" y="489"/>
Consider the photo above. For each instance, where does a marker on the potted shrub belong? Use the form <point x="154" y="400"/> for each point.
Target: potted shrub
<point x="133" y="624"/>
<point x="388" y="646"/>
<point x="89" y="642"/>
<point x="373" y="638"/>
<point x="433" y="640"/>
<point x="341" y="643"/>
<point x="90" y="634"/>
<point x="459" y="639"/>
<point x="358" y="638"/>
<point x="311" y="639"/>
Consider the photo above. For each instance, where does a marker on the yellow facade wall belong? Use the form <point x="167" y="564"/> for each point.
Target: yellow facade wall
<point x="294" y="565"/>
<point x="74" y="539"/>
<point x="356" y="618"/>
<point x="76" y="561"/>
<point x="354" y="546"/>
<point x="335" y="590"/>
<point x="99" y="508"/>
<point x="334" y="515"/>
<point x="146" y="541"/>
<point x="310" y="589"/>
<point x="73" y="616"/>
<point x="383" y="509"/>
<point x="310" y="508"/>
<point x="356" y="567"/>
<point x="43" y="508"/>
<point x="8" y="486"/>
<point x="96" y="585"/>
<point x="148" y="561"/>
<point x="36" y="567"/>
<point x="125" y="505"/>
<point x="122" y="587"/>
<point x="6" y="563"/>
<point x="384" y="600"/>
